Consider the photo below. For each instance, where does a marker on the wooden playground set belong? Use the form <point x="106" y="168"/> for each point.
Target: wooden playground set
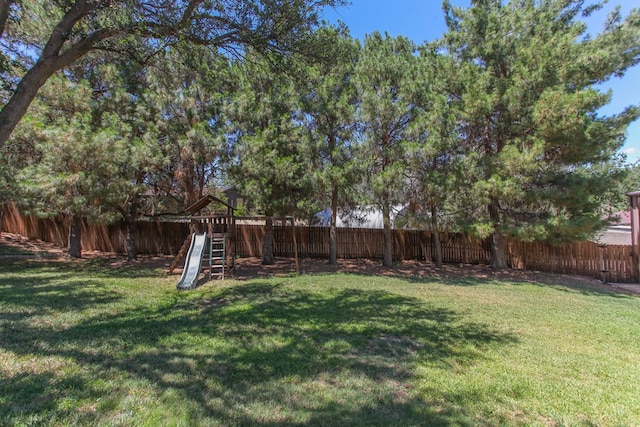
<point x="210" y="247"/>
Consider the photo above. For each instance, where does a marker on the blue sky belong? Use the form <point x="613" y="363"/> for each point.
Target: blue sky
<point x="423" y="20"/>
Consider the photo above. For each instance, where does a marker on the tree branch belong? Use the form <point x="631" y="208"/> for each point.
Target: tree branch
<point x="62" y="30"/>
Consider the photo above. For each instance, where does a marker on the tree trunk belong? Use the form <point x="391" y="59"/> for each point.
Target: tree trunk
<point x="18" y="104"/>
<point x="5" y="6"/>
<point x="498" y="253"/>
<point x="295" y="245"/>
<point x="131" y="213"/>
<point x="498" y="257"/>
<point x="75" y="237"/>
<point x="388" y="236"/>
<point x="3" y="208"/>
<point x="132" y="241"/>
<point x="27" y="89"/>
<point x="333" y="234"/>
<point x="435" y="236"/>
<point x="267" y="245"/>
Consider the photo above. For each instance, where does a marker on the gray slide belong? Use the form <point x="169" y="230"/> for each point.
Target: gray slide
<point x="193" y="263"/>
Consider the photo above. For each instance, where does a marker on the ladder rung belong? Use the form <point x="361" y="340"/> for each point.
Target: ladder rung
<point x="217" y="255"/>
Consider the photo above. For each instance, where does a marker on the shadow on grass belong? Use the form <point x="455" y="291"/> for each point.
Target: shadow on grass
<point x="259" y="353"/>
<point x="39" y="288"/>
<point x="454" y="274"/>
<point x="573" y="284"/>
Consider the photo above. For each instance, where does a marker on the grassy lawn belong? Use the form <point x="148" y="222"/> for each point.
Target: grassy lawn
<point x="84" y="344"/>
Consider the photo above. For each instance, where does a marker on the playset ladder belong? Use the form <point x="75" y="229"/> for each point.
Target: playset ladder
<point x="217" y="255"/>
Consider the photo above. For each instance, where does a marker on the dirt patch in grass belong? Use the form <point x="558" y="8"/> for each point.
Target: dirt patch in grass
<point x="42" y="249"/>
<point x="52" y="252"/>
<point x="15" y="244"/>
<point x="247" y="268"/>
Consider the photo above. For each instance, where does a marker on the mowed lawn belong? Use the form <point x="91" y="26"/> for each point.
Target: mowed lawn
<point x="85" y="344"/>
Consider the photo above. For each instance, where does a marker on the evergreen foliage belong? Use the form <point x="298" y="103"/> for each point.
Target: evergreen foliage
<point x="494" y="129"/>
<point x="266" y="157"/>
<point x="86" y="149"/>
<point x="387" y="80"/>
<point x="47" y="36"/>
<point x="529" y="118"/>
<point x="435" y="161"/>
<point x="74" y="170"/>
<point x="329" y="101"/>
<point x="189" y="86"/>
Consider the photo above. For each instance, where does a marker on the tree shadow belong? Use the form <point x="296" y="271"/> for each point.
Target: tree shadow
<point x="51" y="292"/>
<point x="564" y="283"/>
<point x="253" y="345"/>
<point x="454" y="274"/>
<point x="33" y="394"/>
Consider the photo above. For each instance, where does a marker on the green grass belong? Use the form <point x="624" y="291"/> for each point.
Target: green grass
<point x="81" y="344"/>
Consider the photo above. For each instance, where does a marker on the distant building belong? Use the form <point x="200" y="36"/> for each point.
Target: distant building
<point x="362" y="217"/>
<point x="619" y="233"/>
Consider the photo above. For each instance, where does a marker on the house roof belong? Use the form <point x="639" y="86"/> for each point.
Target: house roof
<point x="204" y="201"/>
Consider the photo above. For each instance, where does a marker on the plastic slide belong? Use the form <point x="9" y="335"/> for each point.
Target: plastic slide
<point x="193" y="263"/>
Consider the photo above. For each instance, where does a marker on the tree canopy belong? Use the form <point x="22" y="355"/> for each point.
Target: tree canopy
<point x="495" y="129"/>
<point x="45" y="36"/>
<point x="329" y="102"/>
<point x="524" y="84"/>
<point x="386" y="77"/>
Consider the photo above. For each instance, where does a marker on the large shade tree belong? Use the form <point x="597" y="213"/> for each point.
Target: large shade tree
<point x="74" y="170"/>
<point x="267" y="160"/>
<point x="329" y="100"/>
<point x="387" y="78"/>
<point x="524" y="83"/>
<point x="46" y="36"/>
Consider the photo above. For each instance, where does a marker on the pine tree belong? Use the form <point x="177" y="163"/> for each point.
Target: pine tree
<point x="74" y="170"/>
<point x="386" y="75"/>
<point x="266" y="161"/>
<point x="434" y="168"/>
<point x="329" y="101"/>
<point x="122" y="90"/>
<point x="87" y="147"/>
<point x="529" y="115"/>
<point x="189" y="86"/>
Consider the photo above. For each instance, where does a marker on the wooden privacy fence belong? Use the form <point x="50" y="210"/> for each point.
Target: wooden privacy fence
<point x="610" y="263"/>
<point x="153" y="237"/>
<point x="313" y="242"/>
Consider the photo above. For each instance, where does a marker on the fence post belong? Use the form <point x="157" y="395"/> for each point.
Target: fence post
<point x="635" y="233"/>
